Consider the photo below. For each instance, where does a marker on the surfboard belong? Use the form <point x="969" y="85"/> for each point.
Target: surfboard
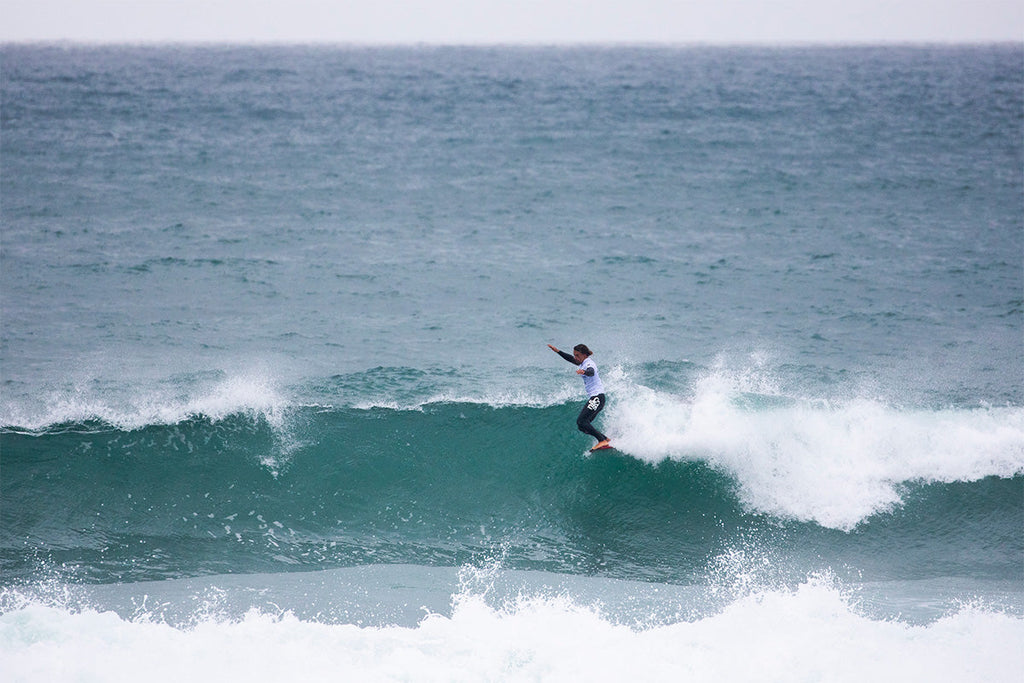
<point x="601" y="448"/>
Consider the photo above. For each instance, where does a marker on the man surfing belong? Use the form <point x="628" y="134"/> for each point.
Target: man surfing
<point x="581" y="357"/>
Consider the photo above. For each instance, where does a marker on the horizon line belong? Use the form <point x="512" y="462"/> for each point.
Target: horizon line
<point x="791" y="43"/>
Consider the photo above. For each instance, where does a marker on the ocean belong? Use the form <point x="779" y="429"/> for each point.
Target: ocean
<point x="277" y="401"/>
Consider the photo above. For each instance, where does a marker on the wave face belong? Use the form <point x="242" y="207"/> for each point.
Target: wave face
<point x="239" y="479"/>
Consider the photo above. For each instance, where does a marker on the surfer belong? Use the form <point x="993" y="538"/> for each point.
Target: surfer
<point x="581" y="357"/>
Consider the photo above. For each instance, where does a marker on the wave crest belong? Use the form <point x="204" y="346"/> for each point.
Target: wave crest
<point x="832" y="462"/>
<point x="252" y="395"/>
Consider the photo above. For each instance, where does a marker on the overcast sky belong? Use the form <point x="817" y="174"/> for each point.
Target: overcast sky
<point x="513" y="21"/>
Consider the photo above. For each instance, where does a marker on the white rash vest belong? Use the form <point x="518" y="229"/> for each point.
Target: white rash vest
<point x="591" y="383"/>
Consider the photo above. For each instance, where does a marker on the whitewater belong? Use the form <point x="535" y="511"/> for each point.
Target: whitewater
<point x="807" y="634"/>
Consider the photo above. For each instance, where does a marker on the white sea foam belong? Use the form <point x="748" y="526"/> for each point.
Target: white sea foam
<point x="831" y="462"/>
<point x="133" y="408"/>
<point x="810" y="633"/>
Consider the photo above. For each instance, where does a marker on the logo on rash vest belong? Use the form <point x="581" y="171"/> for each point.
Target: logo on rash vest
<point x="594" y="403"/>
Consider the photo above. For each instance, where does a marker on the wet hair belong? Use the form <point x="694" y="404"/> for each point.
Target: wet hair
<point x="582" y="348"/>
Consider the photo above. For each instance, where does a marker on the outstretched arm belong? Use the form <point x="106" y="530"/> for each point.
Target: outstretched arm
<point x="563" y="354"/>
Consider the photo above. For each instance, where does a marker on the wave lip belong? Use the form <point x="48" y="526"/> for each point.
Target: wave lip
<point x="252" y="395"/>
<point x="835" y="463"/>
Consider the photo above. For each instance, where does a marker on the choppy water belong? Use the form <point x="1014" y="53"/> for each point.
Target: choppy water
<point x="274" y="364"/>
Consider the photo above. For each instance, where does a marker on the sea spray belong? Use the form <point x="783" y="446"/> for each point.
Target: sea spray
<point x="835" y="462"/>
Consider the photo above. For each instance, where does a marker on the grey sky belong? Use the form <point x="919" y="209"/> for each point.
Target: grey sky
<point x="513" y="21"/>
